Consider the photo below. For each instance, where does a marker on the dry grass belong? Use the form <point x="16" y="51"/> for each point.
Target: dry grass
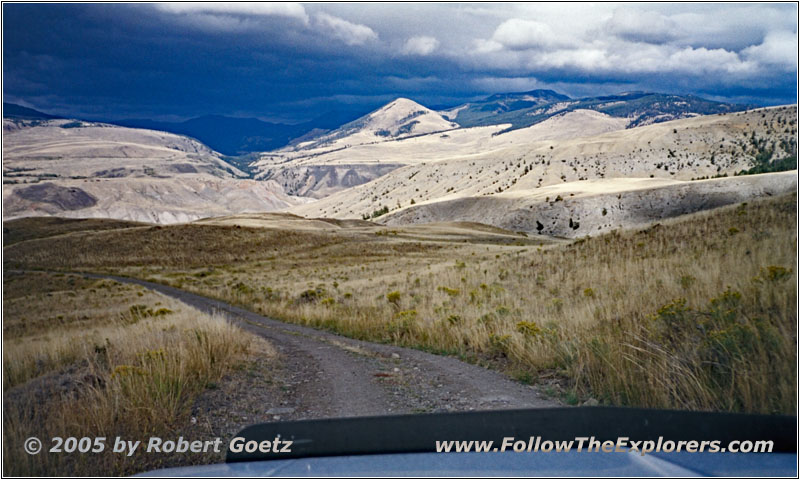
<point x="131" y="368"/>
<point x="595" y="312"/>
<point x="41" y="227"/>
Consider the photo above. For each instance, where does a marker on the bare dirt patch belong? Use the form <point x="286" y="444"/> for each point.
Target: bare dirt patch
<point x="65" y="198"/>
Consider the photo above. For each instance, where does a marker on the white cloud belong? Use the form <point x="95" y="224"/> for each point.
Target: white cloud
<point x="639" y="26"/>
<point x="778" y="49"/>
<point x="234" y="17"/>
<point x="734" y="27"/>
<point x="422" y="45"/>
<point x="621" y="41"/>
<point x="348" y="32"/>
<point x="486" y="46"/>
<point x="587" y="59"/>
<point x="704" y="60"/>
<point x="292" y="10"/>
<point x="518" y="34"/>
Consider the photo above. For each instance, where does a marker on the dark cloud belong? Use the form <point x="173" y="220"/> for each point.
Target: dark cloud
<point x="293" y="62"/>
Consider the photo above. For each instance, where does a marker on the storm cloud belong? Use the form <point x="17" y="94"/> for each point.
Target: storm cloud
<point x="292" y="62"/>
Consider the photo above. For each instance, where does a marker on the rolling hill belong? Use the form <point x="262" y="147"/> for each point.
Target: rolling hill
<point x="687" y="149"/>
<point x="402" y="159"/>
<point x="590" y="207"/>
<point x="354" y="156"/>
<point x="82" y="169"/>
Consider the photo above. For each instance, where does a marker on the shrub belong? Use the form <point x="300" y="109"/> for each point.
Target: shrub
<point x="450" y="291"/>
<point x="380" y="212"/>
<point x="311" y="296"/>
<point x="393" y="297"/>
<point x="529" y="329"/>
<point x="406" y="314"/>
<point x="773" y="274"/>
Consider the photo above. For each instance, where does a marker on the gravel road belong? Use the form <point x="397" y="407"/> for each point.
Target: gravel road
<point x="334" y="376"/>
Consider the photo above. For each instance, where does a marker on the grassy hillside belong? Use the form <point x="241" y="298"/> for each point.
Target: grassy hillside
<point x="41" y="227"/>
<point x="695" y="313"/>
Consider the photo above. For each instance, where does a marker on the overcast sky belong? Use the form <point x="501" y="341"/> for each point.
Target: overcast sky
<point x="292" y="62"/>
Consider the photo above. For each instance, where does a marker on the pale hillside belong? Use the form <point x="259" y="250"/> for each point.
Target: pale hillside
<point x="81" y="169"/>
<point x="678" y="150"/>
<point x="589" y="207"/>
<point x="320" y="172"/>
<point x="71" y="148"/>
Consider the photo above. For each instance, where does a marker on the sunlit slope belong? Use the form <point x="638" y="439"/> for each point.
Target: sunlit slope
<point x="320" y="169"/>
<point x="589" y="207"/>
<point x="679" y="150"/>
<point x="89" y="170"/>
<point x="71" y="148"/>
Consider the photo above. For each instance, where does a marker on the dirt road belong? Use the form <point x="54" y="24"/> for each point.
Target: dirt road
<point x="333" y="376"/>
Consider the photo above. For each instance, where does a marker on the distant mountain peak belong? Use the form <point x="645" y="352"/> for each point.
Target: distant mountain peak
<point x="397" y="108"/>
<point x="400" y="118"/>
<point x="401" y="102"/>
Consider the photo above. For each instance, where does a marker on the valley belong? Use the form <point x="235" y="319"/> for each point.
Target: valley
<point x="401" y="237"/>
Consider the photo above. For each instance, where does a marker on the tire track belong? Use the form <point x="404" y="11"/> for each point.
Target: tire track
<point x="336" y="376"/>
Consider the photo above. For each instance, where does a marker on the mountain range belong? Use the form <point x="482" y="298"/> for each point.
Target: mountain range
<point x="640" y="108"/>
<point x="404" y="132"/>
<point x="233" y="136"/>
<point x="508" y="160"/>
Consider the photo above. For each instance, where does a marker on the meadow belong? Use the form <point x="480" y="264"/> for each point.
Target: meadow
<point x="697" y="312"/>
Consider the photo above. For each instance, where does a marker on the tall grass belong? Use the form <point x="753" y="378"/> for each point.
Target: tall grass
<point x="696" y="314"/>
<point x="734" y="353"/>
<point x="136" y="377"/>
